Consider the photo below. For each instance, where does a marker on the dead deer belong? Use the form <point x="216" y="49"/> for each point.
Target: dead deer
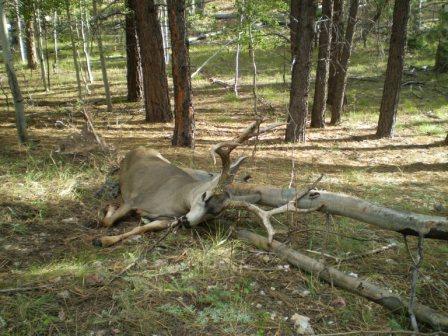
<point x="171" y="196"/>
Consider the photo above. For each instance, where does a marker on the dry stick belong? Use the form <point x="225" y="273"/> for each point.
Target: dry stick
<point x="386" y="332"/>
<point x="415" y="268"/>
<point x="198" y="70"/>
<point x="374" y="251"/>
<point x="21" y="289"/>
<point x="358" y="286"/>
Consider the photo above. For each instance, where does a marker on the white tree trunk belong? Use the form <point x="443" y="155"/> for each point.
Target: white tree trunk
<point x="74" y="51"/>
<point x="55" y="41"/>
<point x="163" y="17"/>
<point x="12" y="78"/>
<point x="20" y="32"/>
<point x="85" y="42"/>
<point x="43" y="66"/>
<point x="102" y="60"/>
<point x="403" y="222"/>
<point x="362" y="287"/>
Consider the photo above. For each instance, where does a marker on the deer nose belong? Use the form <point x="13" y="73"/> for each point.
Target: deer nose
<point x="183" y="221"/>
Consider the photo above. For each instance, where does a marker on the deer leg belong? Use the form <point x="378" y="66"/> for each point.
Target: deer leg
<point x="113" y="215"/>
<point x="157" y="225"/>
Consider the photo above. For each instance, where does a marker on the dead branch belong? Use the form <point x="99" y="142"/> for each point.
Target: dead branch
<point x="22" y="289"/>
<point x="369" y="253"/>
<point x="407" y="223"/>
<point x="357" y="286"/>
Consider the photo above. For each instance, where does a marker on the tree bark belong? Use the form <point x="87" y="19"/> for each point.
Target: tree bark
<point x="133" y="66"/>
<point x="337" y="35"/>
<point x="55" y="41"/>
<point x="183" y="107"/>
<point x="12" y="78"/>
<point x="43" y="67"/>
<point x="359" y="286"/>
<point x="74" y="51"/>
<point x="294" y="19"/>
<point x="341" y="78"/>
<point x="323" y="63"/>
<point x="85" y="41"/>
<point x="99" y="42"/>
<point x="30" y="44"/>
<point x="403" y="222"/>
<point x="441" y="62"/>
<point x="300" y="81"/>
<point x="155" y="83"/>
<point x="20" y="32"/>
<point x="394" y="72"/>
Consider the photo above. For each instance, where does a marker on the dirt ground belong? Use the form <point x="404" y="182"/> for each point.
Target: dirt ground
<point x="201" y="281"/>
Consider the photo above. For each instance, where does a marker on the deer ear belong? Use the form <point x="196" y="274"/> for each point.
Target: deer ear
<point x="204" y="195"/>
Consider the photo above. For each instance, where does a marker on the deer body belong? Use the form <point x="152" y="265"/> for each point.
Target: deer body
<point x="156" y="188"/>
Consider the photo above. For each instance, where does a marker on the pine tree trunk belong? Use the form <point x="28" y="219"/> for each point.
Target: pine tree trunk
<point x="323" y="63"/>
<point x="133" y="66"/>
<point x="74" y="51"/>
<point x="155" y="83"/>
<point x="294" y="19"/>
<point x="99" y="42"/>
<point x="341" y="78"/>
<point x="12" y="79"/>
<point x="183" y="107"/>
<point x="441" y="62"/>
<point x="43" y="67"/>
<point x="30" y="44"/>
<point x="394" y="72"/>
<point x="20" y="32"/>
<point x="300" y="81"/>
<point x="337" y="35"/>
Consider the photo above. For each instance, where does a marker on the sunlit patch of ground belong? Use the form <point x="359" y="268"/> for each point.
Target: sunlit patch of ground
<point x="200" y="281"/>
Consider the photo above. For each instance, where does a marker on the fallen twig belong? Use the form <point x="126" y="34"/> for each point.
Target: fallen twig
<point x="22" y="289"/>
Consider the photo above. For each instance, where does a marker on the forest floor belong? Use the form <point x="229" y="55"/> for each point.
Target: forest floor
<point x="199" y="281"/>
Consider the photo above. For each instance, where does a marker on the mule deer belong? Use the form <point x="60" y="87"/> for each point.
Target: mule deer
<point x="159" y="190"/>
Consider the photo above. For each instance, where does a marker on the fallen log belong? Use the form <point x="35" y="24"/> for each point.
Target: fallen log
<point x="404" y="222"/>
<point x="361" y="287"/>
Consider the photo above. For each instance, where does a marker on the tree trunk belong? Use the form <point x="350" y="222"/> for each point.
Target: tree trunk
<point x="165" y="32"/>
<point x="300" y="81"/>
<point x="394" y="72"/>
<point x="323" y="63"/>
<point x="183" y="107"/>
<point x="294" y="19"/>
<point x="20" y="32"/>
<point x="85" y="41"/>
<point x="341" y="78"/>
<point x="55" y="41"/>
<point x="74" y="51"/>
<point x="30" y="44"/>
<point x="441" y="63"/>
<point x="43" y="67"/>
<point x="12" y="78"/>
<point x="155" y="83"/>
<point x="359" y="286"/>
<point x="337" y="35"/>
<point x="133" y="66"/>
<point x="403" y="222"/>
<point x="99" y="42"/>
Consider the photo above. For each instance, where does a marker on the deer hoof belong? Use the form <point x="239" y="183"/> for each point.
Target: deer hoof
<point x="97" y="242"/>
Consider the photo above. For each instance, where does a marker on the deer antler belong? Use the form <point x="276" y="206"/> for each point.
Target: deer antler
<point x="224" y="149"/>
